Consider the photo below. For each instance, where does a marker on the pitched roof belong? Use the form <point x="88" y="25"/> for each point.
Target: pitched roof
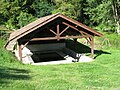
<point x="40" y="22"/>
<point x="30" y="26"/>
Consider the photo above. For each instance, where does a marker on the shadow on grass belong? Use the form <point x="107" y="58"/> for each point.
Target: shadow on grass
<point x="9" y="74"/>
<point x="100" y="52"/>
<point x="83" y="49"/>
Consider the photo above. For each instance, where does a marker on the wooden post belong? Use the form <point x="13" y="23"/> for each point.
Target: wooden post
<point x="20" y="51"/>
<point x="58" y="32"/>
<point x="92" y="47"/>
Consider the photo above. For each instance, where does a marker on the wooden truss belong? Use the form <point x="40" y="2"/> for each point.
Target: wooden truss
<point x="58" y="36"/>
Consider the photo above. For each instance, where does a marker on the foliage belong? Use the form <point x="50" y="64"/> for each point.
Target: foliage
<point x="66" y="9"/>
<point x="25" y="18"/>
<point x="71" y="8"/>
<point x="4" y="32"/>
<point x="102" y="15"/>
<point x="42" y="8"/>
<point x="11" y="9"/>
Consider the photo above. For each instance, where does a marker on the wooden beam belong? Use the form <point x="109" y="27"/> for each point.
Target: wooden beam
<point x="73" y="28"/>
<point x="47" y="38"/>
<point x="25" y="44"/>
<point x="70" y="26"/>
<point x="53" y="32"/>
<point x="64" y="30"/>
<point x="55" y="38"/>
<point x="86" y="34"/>
<point x="82" y="32"/>
<point x="88" y="40"/>
<point x="67" y="37"/>
<point x="82" y="25"/>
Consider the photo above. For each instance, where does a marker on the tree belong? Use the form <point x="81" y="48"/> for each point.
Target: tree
<point x="42" y="8"/>
<point x="11" y="9"/>
<point x="66" y="9"/>
<point x="116" y="13"/>
<point x="25" y="18"/>
<point x="102" y="15"/>
<point x="71" y="8"/>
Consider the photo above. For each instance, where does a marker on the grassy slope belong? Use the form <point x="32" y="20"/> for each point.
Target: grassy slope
<point x="102" y="74"/>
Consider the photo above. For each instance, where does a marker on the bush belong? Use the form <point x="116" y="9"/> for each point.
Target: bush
<point x="114" y="40"/>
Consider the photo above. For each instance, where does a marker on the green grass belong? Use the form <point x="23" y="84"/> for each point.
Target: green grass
<point x="102" y="74"/>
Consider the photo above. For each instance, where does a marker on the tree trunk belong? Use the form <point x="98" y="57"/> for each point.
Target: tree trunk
<point x="118" y="27"/>
<point x="116" y="15"/>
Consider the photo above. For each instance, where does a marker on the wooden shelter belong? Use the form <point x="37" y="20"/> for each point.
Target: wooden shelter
<point x="55" y="27"/>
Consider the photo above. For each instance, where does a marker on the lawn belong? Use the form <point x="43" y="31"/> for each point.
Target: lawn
<point x="102" y="74"/>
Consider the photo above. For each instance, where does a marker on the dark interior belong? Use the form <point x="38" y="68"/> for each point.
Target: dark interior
<point x="46" y="57"/>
